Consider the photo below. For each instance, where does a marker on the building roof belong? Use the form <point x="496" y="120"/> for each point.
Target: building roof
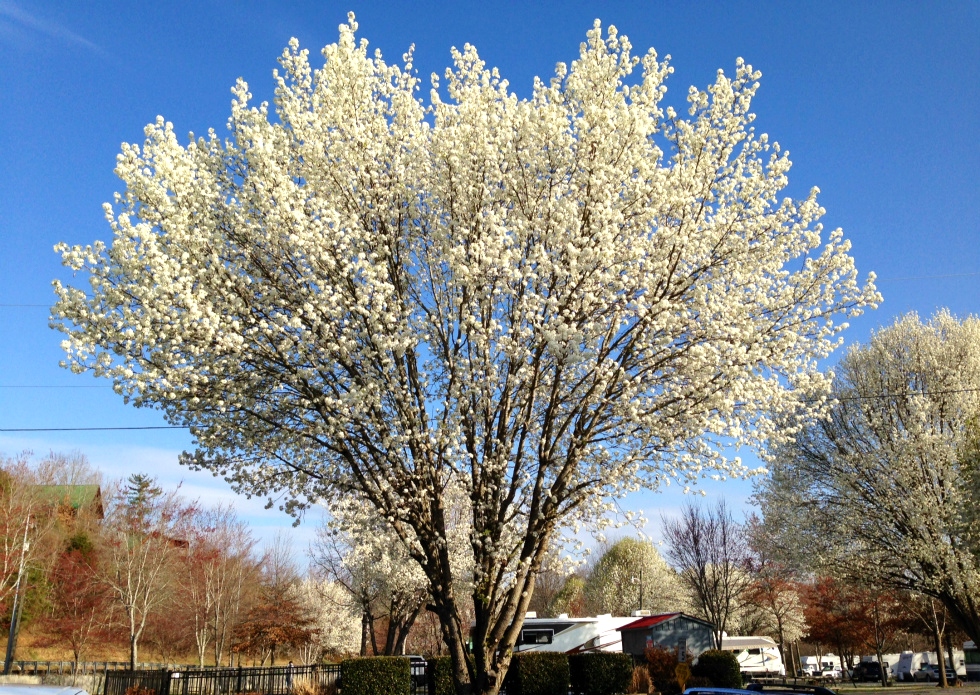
<point x="651" y="620"/>
<point x="747" y="642"/>
<point x="77" y="496"/>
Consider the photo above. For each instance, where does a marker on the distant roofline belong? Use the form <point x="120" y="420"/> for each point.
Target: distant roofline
<point x="651" y="620"/>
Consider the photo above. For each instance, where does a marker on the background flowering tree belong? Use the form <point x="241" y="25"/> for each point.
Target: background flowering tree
<point x="884" y="490"/>
<point x="545" y="302"/>
<point x="359" y="551"/>
<point x="631" y="575"/>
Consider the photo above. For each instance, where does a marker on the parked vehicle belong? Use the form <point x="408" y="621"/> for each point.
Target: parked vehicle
<point x="971" y="657"/>
<point x="929" y="673"/>
<point x="767" y="689"/>
<point x="868" y="671"/>
<point x="757" y="656"/>
<point x="831" y="673"/>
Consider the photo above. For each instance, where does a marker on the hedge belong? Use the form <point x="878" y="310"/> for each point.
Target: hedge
<point x="376" y="675"/>
<point x="537" y="673"/>
<point x="720" y="667"/>
<point x="600" y="673"/>
<point x="439" y="675"/>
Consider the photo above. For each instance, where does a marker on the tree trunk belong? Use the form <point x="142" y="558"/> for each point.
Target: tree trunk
<point x="965" y="610"/>
<point x="455" y="642"/>
<point x="132" y="651"/>
<point x="364" y="633"/>
<point x="937" y="638"/>
<point x="949" y="652"/>
<point x="406" y="628"/>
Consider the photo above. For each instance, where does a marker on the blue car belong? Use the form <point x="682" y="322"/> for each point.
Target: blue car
<point x="756" y="688"/>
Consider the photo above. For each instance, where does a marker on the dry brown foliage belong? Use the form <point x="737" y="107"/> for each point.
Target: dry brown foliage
<point x="641" y="682"/>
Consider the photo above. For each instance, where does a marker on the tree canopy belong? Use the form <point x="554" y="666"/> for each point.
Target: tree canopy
<point x="543" y="302"/>
<point x="884" y="489"/>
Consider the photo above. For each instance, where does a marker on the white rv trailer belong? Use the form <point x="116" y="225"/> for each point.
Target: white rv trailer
<point x="910" y="662"/>
<point x="572" y="635"/>
<point x="757" y="656"/>
<point x="971" y="659"/>
<point x="814" y="666"/>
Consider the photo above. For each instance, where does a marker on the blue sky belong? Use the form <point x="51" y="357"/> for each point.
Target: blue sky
<point x="877" y="102"/>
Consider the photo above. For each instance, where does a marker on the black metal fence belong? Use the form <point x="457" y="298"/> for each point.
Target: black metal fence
<point x="277" y="680"/>
<point x="81" y="668"/>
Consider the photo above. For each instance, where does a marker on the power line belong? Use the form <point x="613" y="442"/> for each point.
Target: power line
<point x="46" y="306"/>
<point x="884" y="396"/>
<point x="928" y="277"/>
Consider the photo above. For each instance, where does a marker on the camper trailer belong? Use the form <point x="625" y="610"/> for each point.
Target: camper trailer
<point x="758" y="657"/>
<point x="971" y="661"/>
<point x="572" y="635"/>
<point x="910" y="662"/>
<point x="825" y="663"/>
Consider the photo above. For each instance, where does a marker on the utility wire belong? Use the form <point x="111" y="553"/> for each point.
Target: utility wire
<point x="928" y="277"/>
<point x="881" y="396"/>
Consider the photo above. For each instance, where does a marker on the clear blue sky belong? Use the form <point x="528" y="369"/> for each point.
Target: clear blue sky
<point x="877" y="102"/>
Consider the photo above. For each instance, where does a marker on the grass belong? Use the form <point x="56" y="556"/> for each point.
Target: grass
<point x="966" y="688"/>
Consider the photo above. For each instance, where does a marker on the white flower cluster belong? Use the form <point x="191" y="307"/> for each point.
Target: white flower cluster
<point x="545" y="302"/>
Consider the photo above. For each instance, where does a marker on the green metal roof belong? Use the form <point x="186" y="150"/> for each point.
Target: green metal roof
<point x="77" y="496"/>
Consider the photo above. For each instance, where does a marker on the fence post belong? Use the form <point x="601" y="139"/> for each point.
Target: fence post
<point x="238" y="684"/>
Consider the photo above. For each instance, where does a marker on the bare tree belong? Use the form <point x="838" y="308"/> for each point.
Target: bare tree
<point x="218" y="562"/>
<point x="146" y="533"/>
<point x="710" y="551"/>
<point x="278" y="620"/>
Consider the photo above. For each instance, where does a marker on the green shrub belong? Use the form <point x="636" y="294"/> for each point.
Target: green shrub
<point x="721" y="668"/>
<point x="376" y="675"/>
<point x="600" y="673"/>
<point x="537" y="673"/>
<point x="439" y="675"/>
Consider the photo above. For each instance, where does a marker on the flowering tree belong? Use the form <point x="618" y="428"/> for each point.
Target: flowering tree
<point x="631" y="575"/>
<point x="884" y="491"/>
<point x="336" y="628"/>
<point x="359" y="551"/>
<point x="546" y="302"/>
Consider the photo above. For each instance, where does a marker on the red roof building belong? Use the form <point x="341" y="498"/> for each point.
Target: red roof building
<point x="688" y="635"/>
